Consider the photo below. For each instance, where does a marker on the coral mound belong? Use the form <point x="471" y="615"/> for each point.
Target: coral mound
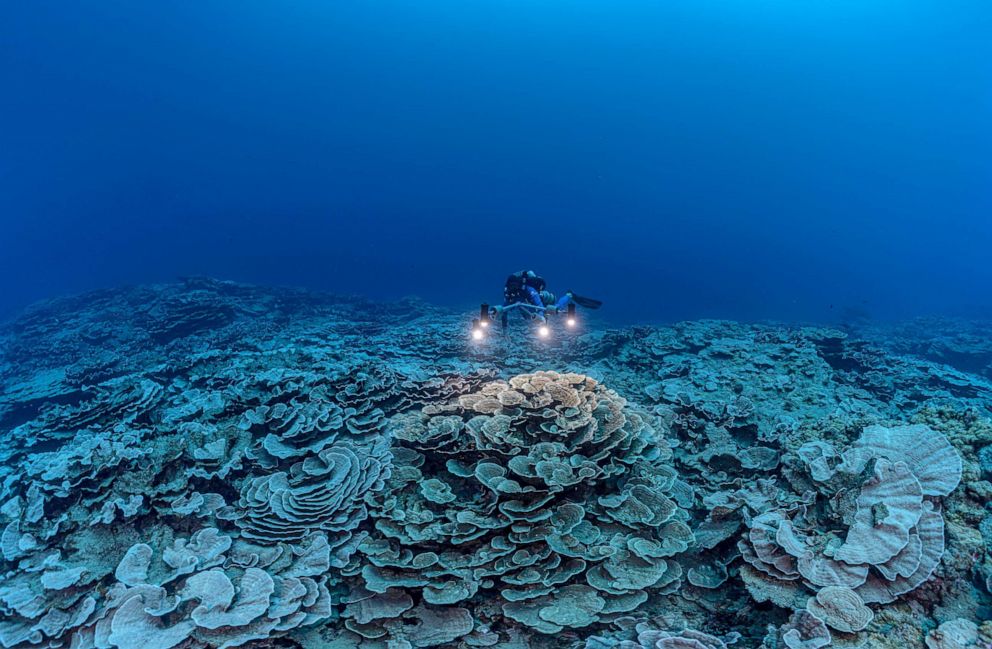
<point x="547" y="496"/>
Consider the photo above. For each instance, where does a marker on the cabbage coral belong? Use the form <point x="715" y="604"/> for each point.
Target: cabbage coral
<point x="546" y="495"/>
<point x="882" y="493"/>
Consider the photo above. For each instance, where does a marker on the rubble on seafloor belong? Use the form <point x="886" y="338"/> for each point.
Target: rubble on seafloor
<point x="209" y="464"/>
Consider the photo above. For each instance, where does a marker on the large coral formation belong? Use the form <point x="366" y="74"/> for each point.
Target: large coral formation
<point x="865" y="521"/>
<point x="209" y="464"/>
<point x="547" y="496"/>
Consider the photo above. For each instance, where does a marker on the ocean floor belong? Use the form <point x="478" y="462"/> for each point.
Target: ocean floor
<point x="209" y="464"/>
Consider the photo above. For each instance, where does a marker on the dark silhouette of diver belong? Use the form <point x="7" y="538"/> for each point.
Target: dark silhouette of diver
<point x="528" y="287"/>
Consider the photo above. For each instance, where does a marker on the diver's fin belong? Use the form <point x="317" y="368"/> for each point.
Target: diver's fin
<point x="586" y="302"/>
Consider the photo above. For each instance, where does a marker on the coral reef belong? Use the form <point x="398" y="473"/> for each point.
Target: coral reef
<point x="209" y="465"/>
<point x="546" y="496"/>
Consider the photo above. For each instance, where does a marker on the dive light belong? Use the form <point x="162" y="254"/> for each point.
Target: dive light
<point x="482" y="324"/>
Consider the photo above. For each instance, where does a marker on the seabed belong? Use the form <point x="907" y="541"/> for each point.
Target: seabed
<point x="210" y="464"/>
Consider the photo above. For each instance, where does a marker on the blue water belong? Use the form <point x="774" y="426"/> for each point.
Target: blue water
<point x="679" y="159"/>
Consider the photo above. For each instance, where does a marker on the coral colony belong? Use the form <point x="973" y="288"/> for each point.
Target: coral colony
<point x="210" y="464"/>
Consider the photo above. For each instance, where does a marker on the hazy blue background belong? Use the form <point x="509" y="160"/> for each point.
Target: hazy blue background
<point x="741" y="158"/>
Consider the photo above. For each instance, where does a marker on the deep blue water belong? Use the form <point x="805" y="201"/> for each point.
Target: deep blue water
<point x="678" y="159"/>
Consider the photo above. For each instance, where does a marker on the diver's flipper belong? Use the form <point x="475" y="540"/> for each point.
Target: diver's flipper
<point x="586" y="302"/>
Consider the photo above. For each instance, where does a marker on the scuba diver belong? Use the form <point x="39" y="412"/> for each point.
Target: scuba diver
<point x="529" y="288"/>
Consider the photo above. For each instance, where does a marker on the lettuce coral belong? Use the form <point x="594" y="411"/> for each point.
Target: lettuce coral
<point x="893" y="534"/>
<point x="547" y="493"/>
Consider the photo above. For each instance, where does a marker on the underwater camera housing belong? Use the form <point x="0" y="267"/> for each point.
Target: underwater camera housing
<point x="483" y="324"/>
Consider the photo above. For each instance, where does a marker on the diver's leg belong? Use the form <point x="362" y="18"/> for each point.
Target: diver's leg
<point x="535" y="297"/>
<point x="564" y="301"/>
<point x="536" y="300"/>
